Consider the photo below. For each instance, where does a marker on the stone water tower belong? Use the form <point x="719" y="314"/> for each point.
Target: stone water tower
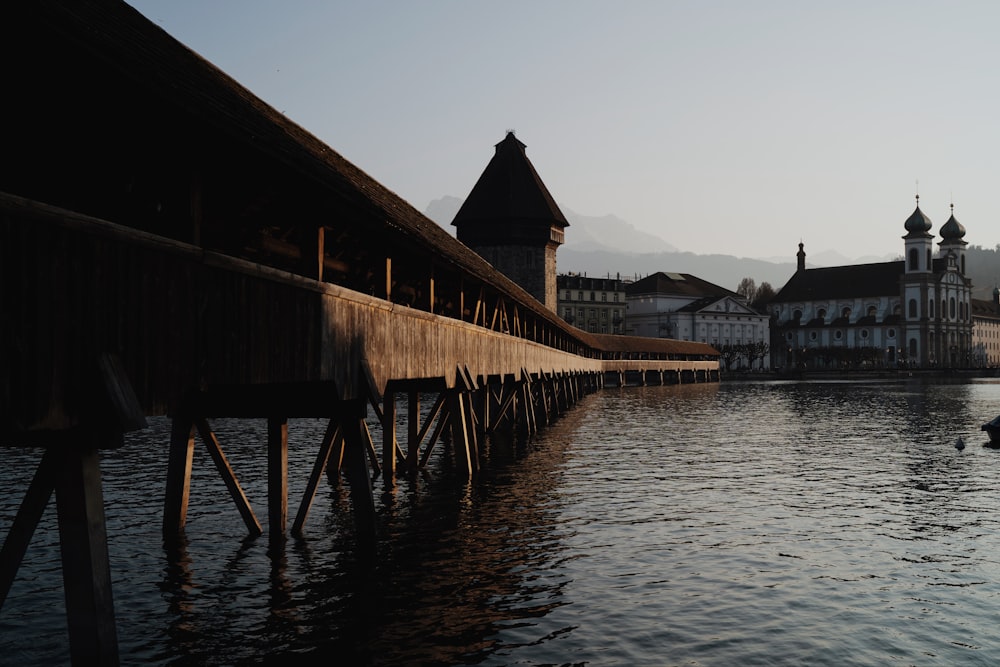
<point x="511" y="221"/>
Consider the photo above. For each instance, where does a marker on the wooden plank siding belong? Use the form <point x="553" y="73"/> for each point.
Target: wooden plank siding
<point x="182" y="318"/>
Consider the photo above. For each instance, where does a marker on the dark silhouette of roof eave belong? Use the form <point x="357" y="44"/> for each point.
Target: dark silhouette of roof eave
<point x="509" y="187"/>
<point x="152" y="60"/>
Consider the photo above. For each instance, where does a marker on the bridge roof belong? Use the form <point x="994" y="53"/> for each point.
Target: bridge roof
<point x="119" y="44"/>
<point x="638" y="344"/>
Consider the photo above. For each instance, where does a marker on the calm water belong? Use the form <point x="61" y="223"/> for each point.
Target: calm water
<point x="732" y="524"/>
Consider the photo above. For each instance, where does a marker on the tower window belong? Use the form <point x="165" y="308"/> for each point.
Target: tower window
<point x="914" y="259"/>
<point x="913" y="309"/>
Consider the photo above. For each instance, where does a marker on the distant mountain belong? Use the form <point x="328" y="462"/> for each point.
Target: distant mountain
<point x="602" y="246"/>
<point x="443" y="211"/>
<point x="609" y="232"/>
<point x="587" y="232"/>
<point x="723" y="270"/>
<point x="834" y="258"/>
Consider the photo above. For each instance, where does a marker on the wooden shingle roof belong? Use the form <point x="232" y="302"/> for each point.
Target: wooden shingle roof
<point x="509" y="190"/>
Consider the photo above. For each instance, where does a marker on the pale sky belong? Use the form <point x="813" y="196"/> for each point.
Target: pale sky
<point x="735" y="127"/>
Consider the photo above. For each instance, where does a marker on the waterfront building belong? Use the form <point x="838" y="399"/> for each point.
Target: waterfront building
<point x="986" y="331"/>
<point x="685" y="307"/>
<point x="512" y="221"/>
<point x="915" y="312"/>
<point x="596" y="305"/>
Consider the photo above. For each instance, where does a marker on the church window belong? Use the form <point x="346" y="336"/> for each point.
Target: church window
<point x="821" y="313"/>
<point x="838" y="335"/>
<point x="864" y="333"/>
<point x="796" y="314"/>
<point x="928" y="259"/>
<point x="913" y="309"/>
<point x="812" y="335"/>
<point x="944" y="308"/>
<point x="914" y="259"/>
<point x="846" y="312"/>
<point x="951" y="311"/>
<point x="891" y="333"/>
<point x="930" y="308"/>
<point x="872" y="311"/>
<point x="913" y="347"/>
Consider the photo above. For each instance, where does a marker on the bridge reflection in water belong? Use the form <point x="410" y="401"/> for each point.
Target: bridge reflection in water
<point x="175" y="246"/>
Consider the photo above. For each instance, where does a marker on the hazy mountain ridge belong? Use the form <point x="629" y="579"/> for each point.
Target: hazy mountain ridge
<point x="603" y="246"/>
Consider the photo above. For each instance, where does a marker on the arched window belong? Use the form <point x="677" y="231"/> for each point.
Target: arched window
<point x="914" y="259"/>
<point x="930" y="308"/>
<point x="913" y="309"/>
<point x="944" y="309"/>
<point x="913" y="348"/>
<point x="846" y="312"/>
<point x="929" y="259"/>
<point x="951" y="311"/>
<point x="872" y="311"/>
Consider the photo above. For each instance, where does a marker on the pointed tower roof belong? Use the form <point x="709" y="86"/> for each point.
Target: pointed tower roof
<point x="952" y="230"/>
<point x="509" y="191"/>
<point x="918" y="224"/>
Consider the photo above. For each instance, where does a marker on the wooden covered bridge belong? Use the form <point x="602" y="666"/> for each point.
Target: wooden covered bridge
<point x="171" y="245"/>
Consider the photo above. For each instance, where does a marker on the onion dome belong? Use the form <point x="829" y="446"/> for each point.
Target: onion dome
<point x="953" y="229"/>
<point x="918" y="223"/>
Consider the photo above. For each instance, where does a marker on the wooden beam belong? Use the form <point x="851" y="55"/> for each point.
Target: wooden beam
<point x="355" y="432"/>
<point x="36" y="499"/>
<point x="83" y="543"/>
<point x="388" y="421"/>
<point x="228" y="476"/>
<point x="430" y="289"/>
<point x="277" y="476"/>
<point x="331" y="436"/>
<point x="413" y="429"/>
<point x="441" y="424"/>
<point x="388" y="279"/>
<point x="179" y="460"/>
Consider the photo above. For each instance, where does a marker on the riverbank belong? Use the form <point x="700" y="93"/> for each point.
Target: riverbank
<point x="860" y="374"/>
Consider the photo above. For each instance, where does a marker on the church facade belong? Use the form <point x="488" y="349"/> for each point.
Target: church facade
<point x="914" y="313"/>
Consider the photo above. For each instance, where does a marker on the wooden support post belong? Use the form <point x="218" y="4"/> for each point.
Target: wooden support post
<point x="326" y="447"/>
<point x="413" y="433"/>
<point x="179" y="461"/>
<point x="229" y="477"/>
<point x="83" y="543"/>
<point x="351" y="414"/>
<point x="441" y="425"/>
<point x="388" y="279"/>
<point x="277" y="476"/>
<point x="459" y="431"/>
<point x="389" y="438"/>
<point x="471" y="430"/>
<point x="28" y="515"/>
<point x="430" y="290"/>
<point x="531" y="414"/>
